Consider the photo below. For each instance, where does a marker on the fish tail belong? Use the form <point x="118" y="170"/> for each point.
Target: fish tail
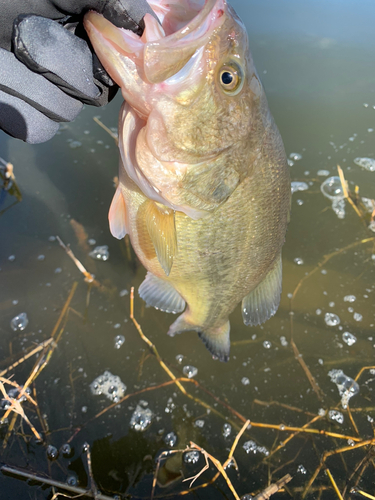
<point x="216" y="339"/>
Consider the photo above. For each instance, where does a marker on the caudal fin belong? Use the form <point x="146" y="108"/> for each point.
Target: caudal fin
<point x="216" y="339"/>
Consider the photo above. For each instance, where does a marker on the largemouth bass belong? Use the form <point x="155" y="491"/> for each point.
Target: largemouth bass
<point x="204" y="188"/>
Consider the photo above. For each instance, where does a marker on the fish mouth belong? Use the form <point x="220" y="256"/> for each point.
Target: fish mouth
<point x="157" y="54"/>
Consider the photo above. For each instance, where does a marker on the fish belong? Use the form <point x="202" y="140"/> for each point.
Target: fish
<point x="204" y="188"/>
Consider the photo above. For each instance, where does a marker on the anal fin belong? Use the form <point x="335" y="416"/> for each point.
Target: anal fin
<point x="262" y="303"/>
<point x="161" y="227"/>
<point x="158" y="293"/>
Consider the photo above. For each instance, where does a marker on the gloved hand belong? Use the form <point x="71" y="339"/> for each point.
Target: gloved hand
<point x="47" y="67"/>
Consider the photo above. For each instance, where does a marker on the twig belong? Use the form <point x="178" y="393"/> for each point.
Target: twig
<point x="345" y="191"/>
<point x="334" y="484"/>
<point x="306" y="369"/>
<point x="274" y="488"/>
<point x="89" y="278"/>
<point x="5" y="469"/>
<point x="108" y="130"/>
<point x="41" y="346"/>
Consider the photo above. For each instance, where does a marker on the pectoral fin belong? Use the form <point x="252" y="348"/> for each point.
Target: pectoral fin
<point x="216" y="339"/>
<point x="160" y="294"/>
<point x="161" y="228"/>
<point x="262" y="303"/>
<point x="117" y="215"/>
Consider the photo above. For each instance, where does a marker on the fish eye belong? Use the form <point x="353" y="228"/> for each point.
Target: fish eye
<point x="231" y="78"/>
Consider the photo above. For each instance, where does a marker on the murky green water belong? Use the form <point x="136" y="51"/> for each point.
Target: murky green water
<point x="316" y="60"/>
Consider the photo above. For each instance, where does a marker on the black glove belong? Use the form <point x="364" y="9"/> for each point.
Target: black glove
<point x="47" y="67"/>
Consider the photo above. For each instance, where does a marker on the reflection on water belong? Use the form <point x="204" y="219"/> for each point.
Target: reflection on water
<point x="298" y="369"/>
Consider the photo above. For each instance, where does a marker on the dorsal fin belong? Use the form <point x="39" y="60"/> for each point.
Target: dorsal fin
<point x="160" y="222"/>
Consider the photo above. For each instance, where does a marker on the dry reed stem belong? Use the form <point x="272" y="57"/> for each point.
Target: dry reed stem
<point x="344" y="185"/>
<point x="51" y="482"/>
<point x="309" y="375"/>
<point x="235" y="443"/>
<point x="40" y="346"/>
<point x="89" y="278"/>
<point x="109" y="131"/>
<point x="274" y="488"/>
<point x="334" y="484"/>
<point x="364" y="494"/>
<point x="283" y="405"/>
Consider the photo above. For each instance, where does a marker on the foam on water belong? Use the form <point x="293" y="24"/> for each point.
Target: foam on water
<point x="109" y="385"/>
<point x="367" y="163"/>
<point x="346" y="385"/>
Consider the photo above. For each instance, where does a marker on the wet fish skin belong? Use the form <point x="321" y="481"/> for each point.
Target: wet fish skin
<point x="204" y="188"/>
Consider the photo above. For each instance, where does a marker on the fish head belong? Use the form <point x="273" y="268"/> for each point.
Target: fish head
<point x="191" y="79"/>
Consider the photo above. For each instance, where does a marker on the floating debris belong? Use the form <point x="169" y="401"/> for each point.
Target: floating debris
<point x="191" y="457"/>
<point x="119" y="340"/>
<point x="100" y="253"/>
<point x="367" y="163"/>
<point x="298" y="186"/>
<point x="252" y="447"/>
<point x="109" y="385"/>
<point x="227" y="429"/>
<point x="19" y="322"/>
<point x="170" y="439"/>
<point x="346" y="385"/>
<point x="141" y="418"/>
<point x="331" y="319"/>
<point x="349" y="338"/>
<point x="336" y="416"/>
<point x="189" y="371"/>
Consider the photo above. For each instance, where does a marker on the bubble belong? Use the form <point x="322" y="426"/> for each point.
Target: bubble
<point x="11" y="258"/>
<point x="301" y="470"/>
<point x="72" y="480"/>
<point x="123" y="293"/>
<point x="299" y="202"/>
<point x="346" y="386"/>
<point x="84" y="409"/>
<point x="357" y="317"/>
<point x="41" y="257"/>
<point x="141" y="419"/>
<point x="75" y="144"/>
<point x="298" y="261"/>
<point x="85" y="447"/>
<point x="247" y="497"/>
<point x="367" y="163"/>
<point x="267" y="344"/>
<point x="109" y="385"/>
<point x="298" y="186"/>
<point x="322" y="412"/>
<point x="295" y="156"/>
<point x="100" y="253"/>
<point x="19" y="322"/>
<point x="52" y="238"/>
<point x="179" y="358"/>
<point x="189" y="371"/>
<point x="119" y="340"/>
<point x="350" y="442"/>
<point x="191" y="457"/>
<point x="199" y="423"/>
<point x="349" y="298"/>
<point x="52" y="452"/>
<point x="227" y="429"/>
<point x="318" y="312"/>
<point x="349" y="338"/>
<point x="252" y="447"/>
<point x="332" y="189"/>
<point x="290" y="162"/>
<point x="365" y="105"/>
<point x="283" y="341"/>
<point x="15" y="302"/>
<point x="170" y="439"/>
<point x="336" y="416"/>
<point x="58" y="270"/>
<point x="323" y="173"/>
<point x="331" y="319"/>
<point x="66" y="449"/>
<point x="331" y="304"/>
<point x="370" y="130"/>
<point x="245" y="381"/>
<point x="170" y="406"/>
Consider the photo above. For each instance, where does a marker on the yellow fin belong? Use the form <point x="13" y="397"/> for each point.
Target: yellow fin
<point x="162" y="230"/>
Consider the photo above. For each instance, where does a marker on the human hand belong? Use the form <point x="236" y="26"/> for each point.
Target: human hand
<point x="48" y="69"/>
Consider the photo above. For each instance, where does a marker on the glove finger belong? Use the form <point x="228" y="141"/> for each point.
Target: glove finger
<point x="20" y="120"/>
<point x="17" y="80"/>
<point x="127" y="14"/>
<point x="63" y="58"/>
